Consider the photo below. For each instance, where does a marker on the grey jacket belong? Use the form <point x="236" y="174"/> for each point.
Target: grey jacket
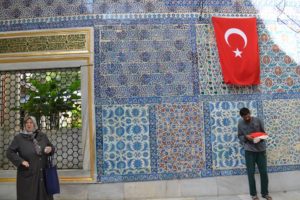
<point x="244" y="128"/>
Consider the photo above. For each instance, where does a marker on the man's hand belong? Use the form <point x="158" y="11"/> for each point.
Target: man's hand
<point x="249" y="138"/>
<point x="25" y="163"/>
<point x="256" y="140"/>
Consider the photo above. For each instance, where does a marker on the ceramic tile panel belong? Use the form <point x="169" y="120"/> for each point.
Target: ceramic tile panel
<point x="144" y="61"/>
<point x="126" y="146"/>
<point x="227" y="152"/>
<point x="43" y="8"/>
<point x="279" y="72"/>
<point x="282" y="123"/>
<point x="180" y="137"/>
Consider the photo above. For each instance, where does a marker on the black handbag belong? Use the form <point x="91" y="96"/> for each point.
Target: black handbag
<point x="51" y="177"/>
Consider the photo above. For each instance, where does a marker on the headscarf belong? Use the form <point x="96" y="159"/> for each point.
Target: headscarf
<point x="35" y="127"/>
<point x="32" y="135"/>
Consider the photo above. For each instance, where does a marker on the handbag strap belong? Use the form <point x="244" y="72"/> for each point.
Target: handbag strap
<point x="50" y="161"/>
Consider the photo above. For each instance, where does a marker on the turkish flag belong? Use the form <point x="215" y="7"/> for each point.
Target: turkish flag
<point x="237" y="43"/>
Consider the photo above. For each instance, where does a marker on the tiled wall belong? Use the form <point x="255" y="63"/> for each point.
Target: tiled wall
<point x="162" y="110"/>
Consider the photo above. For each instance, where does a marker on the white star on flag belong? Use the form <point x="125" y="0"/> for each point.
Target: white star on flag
<point x="238" y="53"/>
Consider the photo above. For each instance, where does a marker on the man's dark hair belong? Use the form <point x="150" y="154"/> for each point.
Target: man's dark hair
<point x="244" y="111"/>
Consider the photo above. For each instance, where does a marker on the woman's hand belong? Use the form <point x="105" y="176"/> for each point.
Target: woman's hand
<point x="48" y="149"/>
<point x="25" y="163"/>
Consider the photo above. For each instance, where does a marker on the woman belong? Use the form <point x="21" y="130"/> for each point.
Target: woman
<point x="28" y="152"/>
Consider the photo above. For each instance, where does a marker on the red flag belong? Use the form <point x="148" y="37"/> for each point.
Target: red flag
<point x="237" y="43"/>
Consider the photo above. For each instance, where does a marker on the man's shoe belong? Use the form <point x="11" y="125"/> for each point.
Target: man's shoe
<point x="268" y="197"/>
<point x="255" y="197"/>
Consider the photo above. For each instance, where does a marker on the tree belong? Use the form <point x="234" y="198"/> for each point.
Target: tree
<point x="50" y="98"/>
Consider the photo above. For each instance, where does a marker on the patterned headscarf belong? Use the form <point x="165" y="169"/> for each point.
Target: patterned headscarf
<point x="35" y="127"/>
<point x="32" y="134"/>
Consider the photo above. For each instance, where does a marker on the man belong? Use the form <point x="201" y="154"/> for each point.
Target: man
<point x="255" y="152"/>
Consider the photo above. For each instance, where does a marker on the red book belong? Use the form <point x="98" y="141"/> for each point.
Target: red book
<point x="257" y="136"/>
<point x="260" y="135"/>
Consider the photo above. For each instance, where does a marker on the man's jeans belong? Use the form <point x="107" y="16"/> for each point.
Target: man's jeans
<point x="260" y="159"/>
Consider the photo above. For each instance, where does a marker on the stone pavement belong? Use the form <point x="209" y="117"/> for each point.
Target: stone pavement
<point x="287" y="195"/>
<point x="283" y="186"/>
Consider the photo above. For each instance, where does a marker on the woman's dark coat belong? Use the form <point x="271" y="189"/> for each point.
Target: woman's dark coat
<point x="30" y="181"/>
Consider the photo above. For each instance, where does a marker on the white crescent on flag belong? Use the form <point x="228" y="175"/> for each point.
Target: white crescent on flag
<point x="239" y="32"/>
<point x="235" y="31"/>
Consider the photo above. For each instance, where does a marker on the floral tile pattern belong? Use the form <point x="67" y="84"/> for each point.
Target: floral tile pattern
<point x="50" y="8"/>
<point x="43" y="8"/>
<point x="226" y="149"/>
<point x="279" y="72"/>
<point x="129" y="6"/>
<point x="180" y="138"/>
<point x="282" y="122"/>
<point x="126" y="147"/>
<point x="144" y="61"/>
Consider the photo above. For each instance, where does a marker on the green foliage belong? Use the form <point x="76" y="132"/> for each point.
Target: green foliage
<point x="50" y="98"/>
